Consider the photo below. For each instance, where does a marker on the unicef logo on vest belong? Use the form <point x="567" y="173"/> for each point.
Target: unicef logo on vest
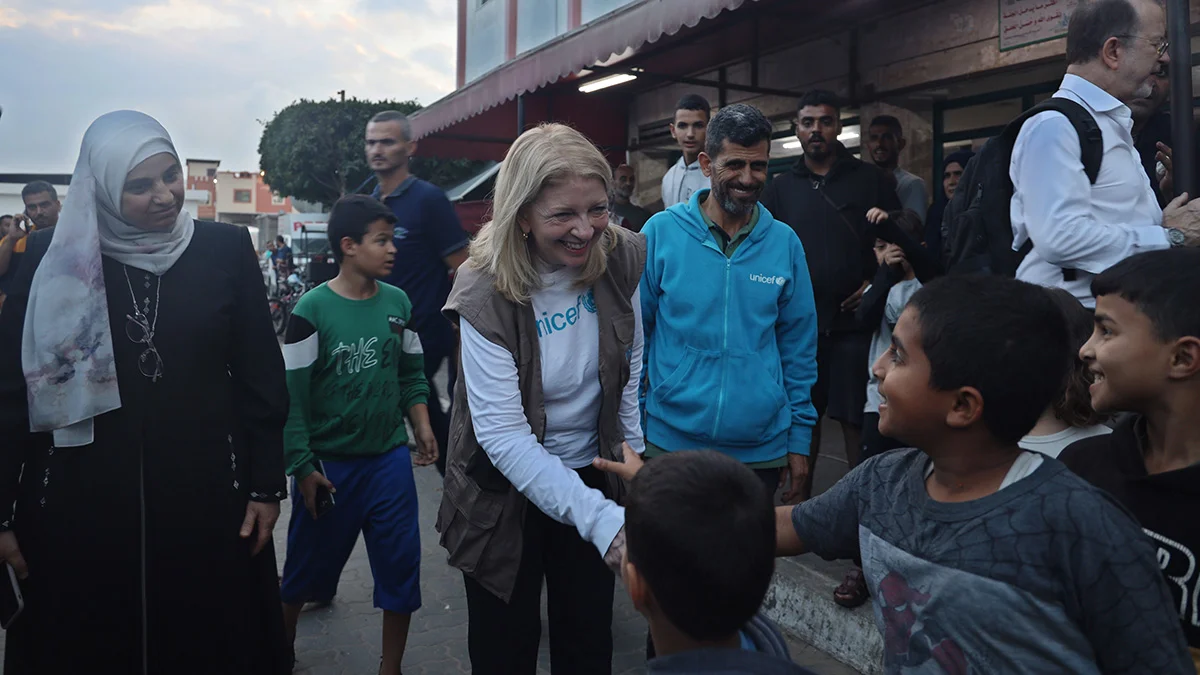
<point x="588" y="301"/>
<point x="763" y="279"/>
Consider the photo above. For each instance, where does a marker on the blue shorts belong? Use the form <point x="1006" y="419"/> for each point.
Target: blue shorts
<point x="375" y="496"/>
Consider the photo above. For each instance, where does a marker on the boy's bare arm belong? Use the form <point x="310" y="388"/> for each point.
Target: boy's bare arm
<point x="787" y="542"/>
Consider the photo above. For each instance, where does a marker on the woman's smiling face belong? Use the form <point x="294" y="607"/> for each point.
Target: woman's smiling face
<point x="153" y="193"/>
<point x="566" y="220"/>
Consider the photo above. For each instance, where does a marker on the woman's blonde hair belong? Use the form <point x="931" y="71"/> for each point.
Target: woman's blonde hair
<point x="546" y="154"/>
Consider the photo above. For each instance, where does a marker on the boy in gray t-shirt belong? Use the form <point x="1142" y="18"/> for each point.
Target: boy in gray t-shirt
<point x="982" y="557"/>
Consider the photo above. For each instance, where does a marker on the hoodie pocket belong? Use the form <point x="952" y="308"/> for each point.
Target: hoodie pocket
<point x="755" y="405"/>
<point x="737" y="387"/>
<point x="686" y="399"/>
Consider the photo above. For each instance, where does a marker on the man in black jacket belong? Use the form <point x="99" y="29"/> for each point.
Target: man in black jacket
<point x="825" y="198"/>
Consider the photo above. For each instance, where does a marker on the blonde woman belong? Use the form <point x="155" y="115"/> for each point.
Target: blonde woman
<point x="548" y="309"/>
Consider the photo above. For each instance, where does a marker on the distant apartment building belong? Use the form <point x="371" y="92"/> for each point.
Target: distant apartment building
<point x="237" y="197"/>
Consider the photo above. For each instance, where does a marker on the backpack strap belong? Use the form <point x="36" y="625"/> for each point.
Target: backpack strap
<point x="1091" y="139"/>
<point x="1091" y="146"/>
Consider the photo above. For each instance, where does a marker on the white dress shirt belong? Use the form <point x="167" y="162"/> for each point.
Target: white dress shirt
<point x="569" y="343"/>
<point x="681" y="181"/>
<point x="1074" y="224"/>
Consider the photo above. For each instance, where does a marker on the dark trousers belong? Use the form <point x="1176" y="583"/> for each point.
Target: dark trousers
<point x="502" y="638"/>
<point x="440" y="344"/>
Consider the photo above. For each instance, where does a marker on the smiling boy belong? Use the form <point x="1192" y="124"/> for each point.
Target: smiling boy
<point x="982" y="557"/>
<point x="1145" y="354"/>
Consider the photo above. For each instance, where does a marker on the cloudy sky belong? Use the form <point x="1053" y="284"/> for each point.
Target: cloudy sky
<point x="209" y="70"/>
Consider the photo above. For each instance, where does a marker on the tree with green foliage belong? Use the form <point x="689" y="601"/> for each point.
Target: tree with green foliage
<point x="314" y="150"/>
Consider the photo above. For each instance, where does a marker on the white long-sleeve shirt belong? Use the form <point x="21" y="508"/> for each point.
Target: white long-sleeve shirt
<point x="681" y="181"/>
<point x="1074" y="224"/>
<point x="569" y="342"/>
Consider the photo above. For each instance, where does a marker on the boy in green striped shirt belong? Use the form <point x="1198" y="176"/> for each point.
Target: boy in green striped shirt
<point x="354" y="370"/>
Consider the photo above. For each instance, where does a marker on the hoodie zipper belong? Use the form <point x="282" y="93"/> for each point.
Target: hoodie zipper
<point x="724" y="350"/>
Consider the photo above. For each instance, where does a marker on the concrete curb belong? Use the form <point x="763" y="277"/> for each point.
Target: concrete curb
<point x="801" y="602"/>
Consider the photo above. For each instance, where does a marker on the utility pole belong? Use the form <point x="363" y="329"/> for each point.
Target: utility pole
<point x="342" y="93"/>
<point x="1183" y="129"/>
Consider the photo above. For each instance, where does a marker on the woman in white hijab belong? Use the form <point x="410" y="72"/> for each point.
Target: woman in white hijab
<point x="142" y="392"/>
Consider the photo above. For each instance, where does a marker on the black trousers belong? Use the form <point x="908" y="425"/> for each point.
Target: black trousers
<point x="502" y="638"/>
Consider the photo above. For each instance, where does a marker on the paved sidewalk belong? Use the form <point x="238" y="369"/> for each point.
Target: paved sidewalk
<point x="344" y="639"/>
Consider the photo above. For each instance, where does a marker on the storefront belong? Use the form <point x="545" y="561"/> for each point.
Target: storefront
<point x="954" y="72"/>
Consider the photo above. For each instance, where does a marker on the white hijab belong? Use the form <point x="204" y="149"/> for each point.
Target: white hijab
<point x="67" y="346"/>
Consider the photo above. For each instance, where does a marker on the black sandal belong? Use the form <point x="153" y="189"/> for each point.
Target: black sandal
<point x="853" y="591"/>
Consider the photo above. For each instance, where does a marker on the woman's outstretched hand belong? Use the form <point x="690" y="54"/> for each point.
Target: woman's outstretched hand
<point x="616" y="552"/>
<point x="627" y="468"/>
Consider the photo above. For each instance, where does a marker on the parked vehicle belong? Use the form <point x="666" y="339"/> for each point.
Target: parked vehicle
<point x="284" y="301"/>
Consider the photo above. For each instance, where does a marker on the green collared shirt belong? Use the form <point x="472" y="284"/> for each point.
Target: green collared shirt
<point x="728" y="245"/>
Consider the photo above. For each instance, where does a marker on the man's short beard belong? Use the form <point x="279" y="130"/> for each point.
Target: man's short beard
<point x="734" y="207"/>
<point x="819" y="155"/>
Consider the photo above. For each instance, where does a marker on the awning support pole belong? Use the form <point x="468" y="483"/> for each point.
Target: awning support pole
<point x="1183" y="129"/>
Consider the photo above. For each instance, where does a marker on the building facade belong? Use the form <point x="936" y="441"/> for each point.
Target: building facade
<point x="236" y="197"/>
<point x="953" y="71"/>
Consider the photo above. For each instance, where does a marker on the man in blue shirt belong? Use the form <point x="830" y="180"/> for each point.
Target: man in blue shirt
<point x="430" y="245"/>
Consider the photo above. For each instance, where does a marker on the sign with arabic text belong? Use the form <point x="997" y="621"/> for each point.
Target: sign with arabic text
<point x="1027" y="22"/>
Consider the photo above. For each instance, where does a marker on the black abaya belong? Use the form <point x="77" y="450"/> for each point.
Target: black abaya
<point x="135" y="563"/>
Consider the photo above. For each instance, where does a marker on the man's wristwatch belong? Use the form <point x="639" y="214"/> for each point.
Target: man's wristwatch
<point x="1176" y="237"/>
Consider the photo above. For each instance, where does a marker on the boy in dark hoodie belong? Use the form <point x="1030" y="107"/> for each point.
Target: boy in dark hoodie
<point x="1144" y="356"/>
<point x="700" y="552"/>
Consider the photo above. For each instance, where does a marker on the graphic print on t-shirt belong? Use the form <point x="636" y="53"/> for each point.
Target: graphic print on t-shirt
<point x="551" y="322"/>
<point x="1179" y="567"/>
<point x="355" y="357"/>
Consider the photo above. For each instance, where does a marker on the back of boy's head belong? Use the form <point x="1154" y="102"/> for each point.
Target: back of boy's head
<point x="1163" y="285"/>
<point x="352" y="216"/>
<point x="1003" y="337"/>
<point x="700" y="530"/>
<point x="1074" y="405"/>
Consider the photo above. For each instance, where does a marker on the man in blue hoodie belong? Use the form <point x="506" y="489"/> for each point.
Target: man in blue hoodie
<point x="729" y="319"/>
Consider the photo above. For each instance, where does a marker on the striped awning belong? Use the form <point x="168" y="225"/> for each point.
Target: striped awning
<point x="630" y="27"/>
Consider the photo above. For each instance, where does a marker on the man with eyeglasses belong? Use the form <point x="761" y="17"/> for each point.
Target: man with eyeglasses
<point x="1079" y="227"/>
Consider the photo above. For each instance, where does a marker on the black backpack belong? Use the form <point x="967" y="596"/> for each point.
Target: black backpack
<point x="978" y="230"/>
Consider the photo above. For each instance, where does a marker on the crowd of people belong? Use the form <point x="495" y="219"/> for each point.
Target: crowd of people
<point x="632" y="394"/>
